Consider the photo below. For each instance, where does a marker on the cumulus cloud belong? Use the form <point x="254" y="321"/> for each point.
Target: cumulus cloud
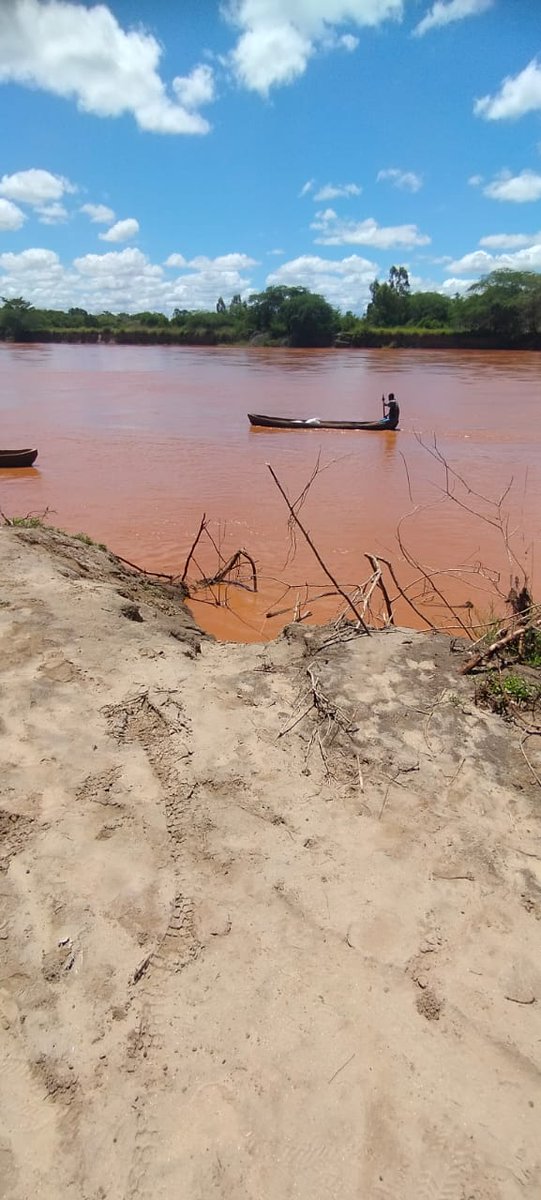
<point x="34" y="186"/>
<point x="116" y="262"/>
<point x="31" y="260"/>
<point x="121" y="231"/>
<point x="279" y="37"/>
<point x="175" y="260"/>
<point x="520" y="189"/>
<point x="11" y="217"/>
<point x="332" y="191"/>
<point x="526" y="259"/>
<point x="452" y="287"/>
<point x="100" y="214"/>
<point x="509" y="241"/>
<point x="344" y="282"/>
<point x="192" y="91"/>
<point x="332" y="231"/>
<point x="224" y="262"/>
<point x="407" y="181"/>
<point x="444" y="12"/>
<point x="475" y="180"/>
<point x="84" y="54"/>
<point x="518" y="95"/>
<point x="123" y="280"/>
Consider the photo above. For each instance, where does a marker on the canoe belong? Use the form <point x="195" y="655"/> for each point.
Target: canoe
<point x="261" y="421"/>
<point x="17" y="458"/>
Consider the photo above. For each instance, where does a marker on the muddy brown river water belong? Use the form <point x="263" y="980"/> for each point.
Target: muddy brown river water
<point x="135" y="443"/>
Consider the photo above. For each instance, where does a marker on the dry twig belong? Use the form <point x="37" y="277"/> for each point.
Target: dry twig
<point x="315" y="551"/>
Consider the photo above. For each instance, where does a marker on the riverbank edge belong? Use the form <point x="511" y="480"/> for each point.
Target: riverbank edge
<point x="370" y="339"/>
<point x="204" y="842"/>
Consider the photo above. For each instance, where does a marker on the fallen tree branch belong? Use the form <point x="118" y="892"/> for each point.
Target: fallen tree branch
<point x="405" y="596"/>
<point x="143" y="570"/>
<point x="315" y="551"/>
<point x="190" y="555"/>
<point x="224" y="571"/>
<point x="381" y="584"/>
<point x="499" y="644"/>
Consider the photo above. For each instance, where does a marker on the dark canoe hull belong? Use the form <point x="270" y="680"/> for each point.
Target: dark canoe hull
<point x="17" y="458"/>
<point x="262" y="422"/>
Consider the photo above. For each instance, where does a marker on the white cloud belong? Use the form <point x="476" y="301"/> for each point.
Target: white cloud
<point x="349" y="42"/>
<point x="509" y="241"/>
<point x="526" y="259"/>
<point x="31" y="260"/>
<point x="331" y="191"/>
<point x="52" y="214"/>
<point x="407" y="181"/>
<point x="344" y="282"/>
<point x="175" y="260"/>
<point x="11" y="217"/>
<point x="192" y="91"/>
<point x="278" y="37"/>
<point x="450" y="287"/>
<point x="224" y="262"/>
<point x="34" y="186"/>
<point x="121" y="231"/>
<point x="332" y="231"/>
<point x="520" y="189"/>
<point x="475" y="180"/>
<point x="83" y="53"/>
<point x="276" y="252"/>
<point x="307" y="187"/>
<point x="116" y="262"/>
<point x="518" y="95"/>
<point x="122" y="280"/>
<point x="443" y="13"/>
<point x="100" y="214"/>
<point x="35" y="274"/>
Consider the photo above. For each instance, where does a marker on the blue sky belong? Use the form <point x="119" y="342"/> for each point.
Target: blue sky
<point x="161" y="153"/>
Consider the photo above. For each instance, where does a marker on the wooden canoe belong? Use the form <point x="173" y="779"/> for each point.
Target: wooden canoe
<point x="260" y="421"/>
<point x="17" y="458"/>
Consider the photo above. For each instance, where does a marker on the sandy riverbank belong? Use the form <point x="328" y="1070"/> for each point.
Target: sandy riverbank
<point x="239" y="964"/>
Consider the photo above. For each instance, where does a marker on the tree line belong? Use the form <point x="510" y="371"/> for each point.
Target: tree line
<point x="502" y="309"/>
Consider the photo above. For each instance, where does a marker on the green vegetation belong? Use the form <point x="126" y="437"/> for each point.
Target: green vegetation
<point x="86" y="539"/>
<point x="28" y="522"/>
<point x="504" y="693"/>
<point x="38" y="521"/>
<point x="290" y="316"/>
<point x="501" y="310"/>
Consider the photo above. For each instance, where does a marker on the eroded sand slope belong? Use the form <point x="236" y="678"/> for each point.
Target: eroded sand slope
<point x="234" y="964"/>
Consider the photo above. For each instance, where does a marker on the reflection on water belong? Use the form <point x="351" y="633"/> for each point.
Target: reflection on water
<point x="136" y="442"/>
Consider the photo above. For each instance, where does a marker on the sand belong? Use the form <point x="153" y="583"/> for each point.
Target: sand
<point x="244" y="955"/>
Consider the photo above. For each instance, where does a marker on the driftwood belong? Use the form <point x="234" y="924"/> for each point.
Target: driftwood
<point x="513" y="636"/>
<point x="224" y="571"/>
<point x="143" y="570"/>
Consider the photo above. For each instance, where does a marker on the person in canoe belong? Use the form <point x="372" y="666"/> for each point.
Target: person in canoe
<point x="391" y="410"/>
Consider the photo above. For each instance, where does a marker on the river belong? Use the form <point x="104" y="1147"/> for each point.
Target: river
<point x="135" y="443"/>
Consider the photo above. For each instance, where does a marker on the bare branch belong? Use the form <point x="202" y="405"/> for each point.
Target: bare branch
<point x="315" y="551"/>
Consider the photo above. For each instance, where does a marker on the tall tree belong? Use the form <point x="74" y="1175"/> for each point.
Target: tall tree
<point x="399" y="281"/>
<point x="17" y="319"/>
